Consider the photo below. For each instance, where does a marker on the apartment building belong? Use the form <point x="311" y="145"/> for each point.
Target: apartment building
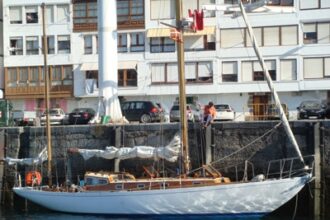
<point x="220" y="62"/>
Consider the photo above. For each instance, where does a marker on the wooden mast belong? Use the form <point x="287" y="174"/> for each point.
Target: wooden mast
<point x="46" y="76"/>
<point x="182" y="88"/>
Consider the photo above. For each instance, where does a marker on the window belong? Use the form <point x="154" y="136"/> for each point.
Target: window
<point x="323" y="33"/>
<point x="258" y="73"/>
<point x="49" y="14"/>
<point x="127" y="77"/>
<point x="56" y="75"/>
<point x="122" y="42"/>
<point x="289" y="35"/>
<point x="257" y="34"/>
<point x="207" y="13"/>
<point x="16" y="46"/>
<point x="23" y="76"/>
<point x="271" y="36"/>
<point x="31" y="14"/>
<point x="314" y="68"/>
<point x="63" y="44"/>
<point x="162" y="9"/>
<point x="67" y="75"/>
<point x="317" y="33"/>
<point x="209" y="42"/>
<point x="232" y="38"/>
<point x="12" y="77"/>
<point x="63" y="13"/>
<point x="252" y="71"/>
<point x="15" y="15"/>
<point x="34" y="76"/>
<point x="195" y="72"/>
<point x="32" y="45"/>
<point x="288" y="69"/>
<point x="161" y="44"/>
<point x="280" y="2"/>
<point x="310" y="35"/>
<point x="88" y="44"/>
<point x="51" y="44"/>
<point x="85" y="15"/>
<point x="309" y="4"/>
<point x="197" y="4"/>
<point x="229" y="72"/>
<point x="130" y="12"/>
<point x="199" y="43"/>
<point x="158" y="73"/>
<point x="137" y="42"/>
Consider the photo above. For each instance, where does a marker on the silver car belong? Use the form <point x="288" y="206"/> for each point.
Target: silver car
<point x="193" y="113"/>
<point x="56" y="117"/>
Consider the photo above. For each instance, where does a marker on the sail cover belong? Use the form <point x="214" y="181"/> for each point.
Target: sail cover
<point x="28" y="161"/>
<point x="169" y="152"/>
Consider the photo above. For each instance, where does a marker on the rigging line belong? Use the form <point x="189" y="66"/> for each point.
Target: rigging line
<point x="295" y="208"/>
<point x="257" y="139"/>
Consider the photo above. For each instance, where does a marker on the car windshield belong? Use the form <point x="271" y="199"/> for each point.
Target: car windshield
<point x="52" y="112"/>
<point x="311" y="105"/>
<point x="177" y="107"/>
<point x="221" y="107"/>
<point x="80" y="110"/>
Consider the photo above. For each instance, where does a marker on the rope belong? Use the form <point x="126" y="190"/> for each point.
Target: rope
<point x="257" y="139"/>
<point x="295" y="208"/>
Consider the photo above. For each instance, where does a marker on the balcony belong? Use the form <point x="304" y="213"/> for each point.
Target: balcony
<point x="26" y="92"/>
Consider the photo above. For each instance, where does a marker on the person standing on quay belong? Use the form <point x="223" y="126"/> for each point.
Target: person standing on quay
<point x="209" y="114"/>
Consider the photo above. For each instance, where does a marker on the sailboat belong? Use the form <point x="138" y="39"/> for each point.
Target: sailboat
<point x="207" y="192"/>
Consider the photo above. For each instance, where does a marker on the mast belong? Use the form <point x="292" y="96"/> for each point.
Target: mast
<point x="46" y="76"/>
<point x="270" y="84"/>
<point x="182" y="88"/>
<point x="108" y="59"/>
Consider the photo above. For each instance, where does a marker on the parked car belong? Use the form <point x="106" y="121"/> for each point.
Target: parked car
<point x="142" y="111"/>
<point x="273" y="113"/>
<point x="224" y="112"/>
<point x="56" y="117"/>
<point x="81" y="116"/>
<point x="193" y="113"/>
<point x="311" y="109"/>
<point x="23" y="118"/>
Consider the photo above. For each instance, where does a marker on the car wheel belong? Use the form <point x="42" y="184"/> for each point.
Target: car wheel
<point x="145" y="118"/>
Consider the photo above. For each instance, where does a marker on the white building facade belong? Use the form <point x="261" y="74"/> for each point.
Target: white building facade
<point x="220" y="62"/>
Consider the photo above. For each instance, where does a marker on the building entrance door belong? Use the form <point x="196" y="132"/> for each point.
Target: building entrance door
<point x="260" y="103"/>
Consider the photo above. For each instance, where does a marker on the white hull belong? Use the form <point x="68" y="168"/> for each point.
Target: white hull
<point x="229" y="199"/>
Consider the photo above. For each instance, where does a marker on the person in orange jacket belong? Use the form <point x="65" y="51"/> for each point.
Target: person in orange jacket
<point x="209" y="114"/>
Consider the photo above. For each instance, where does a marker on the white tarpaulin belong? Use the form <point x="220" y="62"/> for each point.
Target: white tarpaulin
<point x="169" y="152"/>
<point x="29" y="161"/>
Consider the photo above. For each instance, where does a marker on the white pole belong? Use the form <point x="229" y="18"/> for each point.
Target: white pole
<point x="271" y="85"/>
<point x="108" y="58"/>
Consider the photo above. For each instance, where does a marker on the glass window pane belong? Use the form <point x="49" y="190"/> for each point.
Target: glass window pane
<point x="271" y="36"/>
<point x="289" y="35"/>
<point x="158" y="72"/>
<point x="232" y="38"/>
<point x="63" y="15"/>
<point x="15" y="15"/>
<point x="49" y="14"/>
<point x="313" y="68"/>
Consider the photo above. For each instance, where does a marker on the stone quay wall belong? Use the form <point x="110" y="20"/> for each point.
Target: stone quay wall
<point x="258" y="142"/>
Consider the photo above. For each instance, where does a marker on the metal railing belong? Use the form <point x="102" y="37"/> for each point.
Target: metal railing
<point x="259" y="112"/>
